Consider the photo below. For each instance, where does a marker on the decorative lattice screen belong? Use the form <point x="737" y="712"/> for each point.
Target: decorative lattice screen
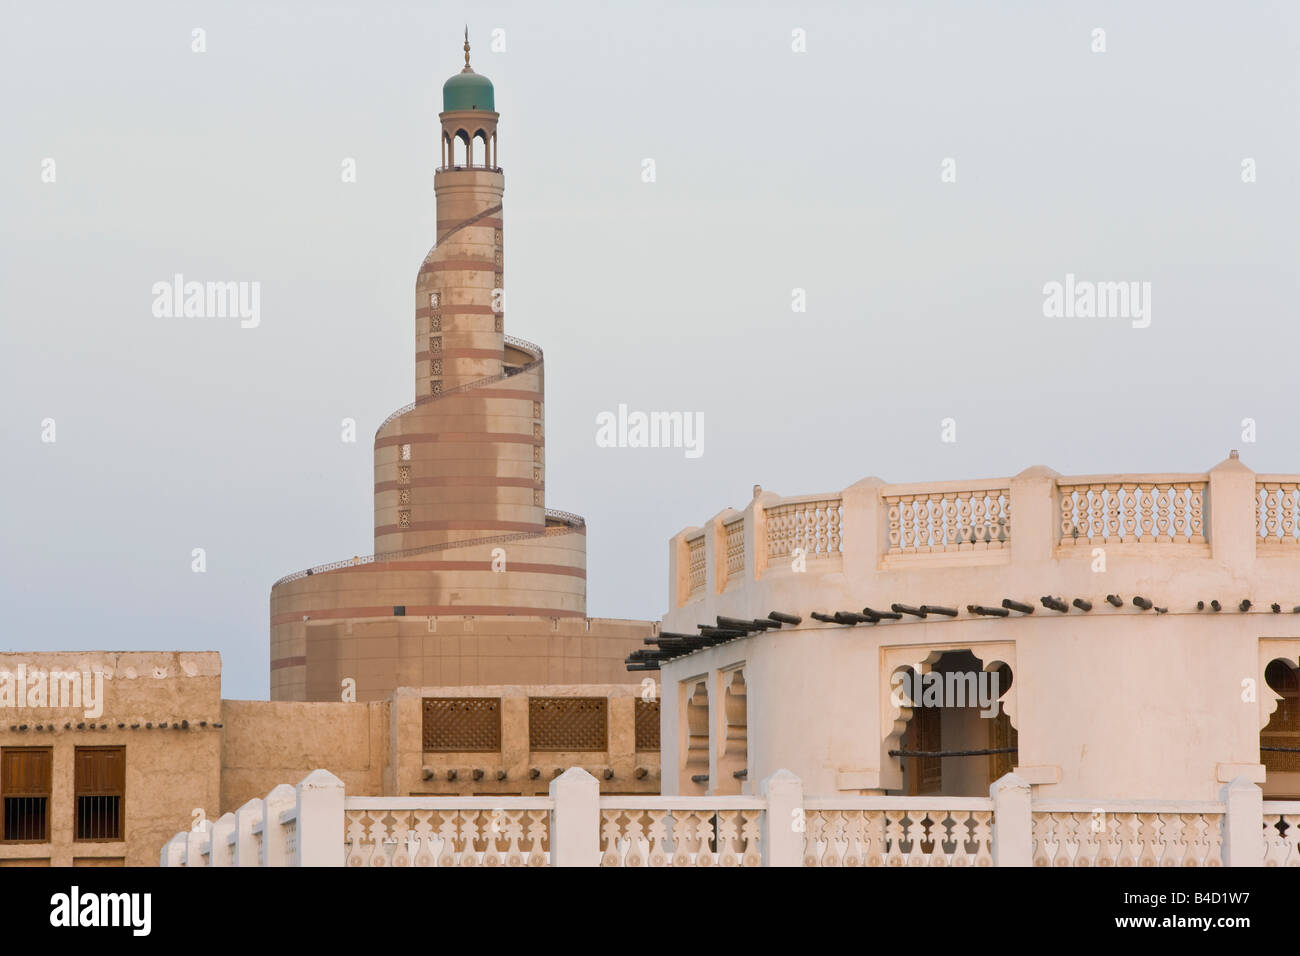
<point x="568" y="723"/>
<point x="647" y="725"/>
<point x="462" y="724"/>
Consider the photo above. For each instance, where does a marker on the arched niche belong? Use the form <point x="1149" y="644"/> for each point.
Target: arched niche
<point x="895" y="714"/>
<point x="694" y="745"/>
<point x="733" y="744"/>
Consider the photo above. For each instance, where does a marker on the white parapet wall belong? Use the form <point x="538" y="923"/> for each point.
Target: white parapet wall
<point x="316" y="824"/>
<point x="1229" y="514"/>
<point x="1135" y="614"/>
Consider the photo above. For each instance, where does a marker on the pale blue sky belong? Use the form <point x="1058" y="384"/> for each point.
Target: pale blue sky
<point x="775" y="170"/>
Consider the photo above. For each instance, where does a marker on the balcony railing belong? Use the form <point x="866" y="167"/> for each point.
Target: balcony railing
<point x="317" y="824"/>
<point x="810" y="524"/>
<point x="447" y="831"/>
<point x="1143" y="509"/>
<point x="950" y="519"/>
<point x="885" y="528"/>
<point x="695" y="565"/>
<point x="1277" y="515"/>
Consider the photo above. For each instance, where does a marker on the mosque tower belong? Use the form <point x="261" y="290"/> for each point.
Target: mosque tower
<point x="465" y="550"/>
<point x="468" y="460"/>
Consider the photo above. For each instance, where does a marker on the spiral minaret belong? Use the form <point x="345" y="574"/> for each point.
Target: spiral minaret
<point x="467" y="460"/>
<point x="461" y="525"/>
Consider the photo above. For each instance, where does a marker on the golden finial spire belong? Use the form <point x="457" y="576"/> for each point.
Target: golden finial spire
<point x="467" y="69"/>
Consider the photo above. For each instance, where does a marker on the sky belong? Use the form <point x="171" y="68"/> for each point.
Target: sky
<point x="919" y="172"/>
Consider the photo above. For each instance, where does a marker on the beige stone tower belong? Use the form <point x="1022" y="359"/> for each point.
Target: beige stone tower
<point x="467" y="460"/>
<point x="464" y="544"/>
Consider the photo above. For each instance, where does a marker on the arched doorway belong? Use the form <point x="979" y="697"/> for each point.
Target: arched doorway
<point x="1279" y="741"/>
<point x="959" y="738"/>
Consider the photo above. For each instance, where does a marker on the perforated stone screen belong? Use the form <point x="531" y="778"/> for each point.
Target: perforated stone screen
<point x="568" y="723"/>
<point x="647" y="725"/>
<point x="462" y="724"/>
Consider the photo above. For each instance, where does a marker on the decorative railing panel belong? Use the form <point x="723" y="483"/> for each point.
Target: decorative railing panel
<point x="725" y="834"/>
<point x="735" y="536"/>
<point x="289" y="834"/>
<point x="811" y="525"/>
<point x="1102" y="837"/>
<point x="1134" y="510"/>
<point x="1277" y="511"/>
<point x="321" y="826"/>
<point x="696" y="565"/>
<point x="450" y="831"/>
<point x="1281" y="833"/>
<point x="975" y="519"/>
<point x="900" y="837"/>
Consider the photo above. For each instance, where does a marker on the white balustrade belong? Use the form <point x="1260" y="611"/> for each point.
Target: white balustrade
<point x="1282" y="833"/>
<point x="1189" y="834"/>
<point x="1277" y="510"/>
<point x="975" y="518"/>
<point x="813" y="525"/>
<point x="695" y="547"/>
<point x="1134" y="509"/>
<point x="667" y="831"/>
<point x="447" y="831"/>
<point x="899" y="831"/>
<point x="734" y="535"/>
<point x="574" y="826"/>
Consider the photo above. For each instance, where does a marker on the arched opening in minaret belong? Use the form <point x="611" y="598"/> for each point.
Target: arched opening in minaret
<point x="460" y="149"/>
<point x="482" y="149"/>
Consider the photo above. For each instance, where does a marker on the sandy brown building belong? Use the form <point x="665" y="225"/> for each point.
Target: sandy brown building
<point x="105" y="755"/>
<point x="473" y="580"/>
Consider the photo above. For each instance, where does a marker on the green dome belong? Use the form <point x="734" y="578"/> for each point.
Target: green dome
<point x="467" y="91"/>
